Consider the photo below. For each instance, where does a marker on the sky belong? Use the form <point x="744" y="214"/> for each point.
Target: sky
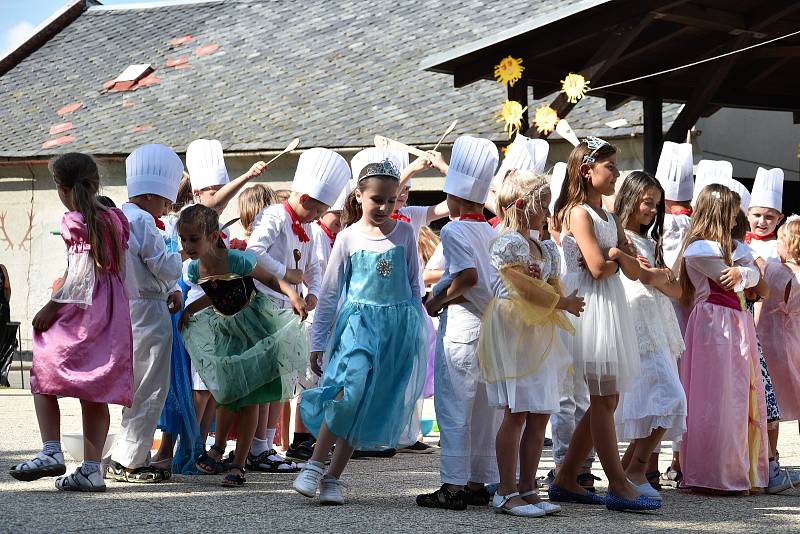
<point x="18" y="18"/>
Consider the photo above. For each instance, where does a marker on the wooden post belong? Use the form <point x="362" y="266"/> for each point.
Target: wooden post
<point x="520" y="93"/>
<point x="653" y="132"/>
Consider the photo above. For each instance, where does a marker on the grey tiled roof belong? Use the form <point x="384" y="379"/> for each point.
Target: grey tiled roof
<point x="332" y="73"/>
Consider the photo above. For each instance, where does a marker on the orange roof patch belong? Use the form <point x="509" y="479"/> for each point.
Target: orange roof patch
<point x="60" y="128"/>
<point x="69" y="108"/>
<point x="206" y="50"/>
<point x="181" y="40"/>
<point x="58" y="141"/>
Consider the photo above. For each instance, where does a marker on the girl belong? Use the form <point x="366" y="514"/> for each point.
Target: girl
<point x="375" y="342"/>
<point x="82" y="344"/>
<point x="245" y="351"/>
<point x="655" y="407"/>
<point x="251" y="201"/>
<point x="725" y="445"/>
<point x="520" y="353"/>
<point x="605" y="350"/>
<point x="778" y="329"/>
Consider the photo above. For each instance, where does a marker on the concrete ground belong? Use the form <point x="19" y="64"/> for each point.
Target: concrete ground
<point x="380" y="498"/>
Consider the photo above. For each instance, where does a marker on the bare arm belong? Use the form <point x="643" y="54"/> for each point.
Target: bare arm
<point x="226" y="193"/>
<point x="431" y="276"/>
<point x="461" y="283"/>
<point x="582" y="229"/>
<point x="438" y="211"/>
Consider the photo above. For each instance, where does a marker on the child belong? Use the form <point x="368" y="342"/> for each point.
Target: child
<point x="246" y="351"/>
<point x="282" y="241"/>
<point x="725" y="445"/>
<point x="764" y="213"/>
<point x="153" y="175"/>
<point x="467" y="424"/>
<point x="253" y="201"/>
<point x="82" y="336"/>
<point x="520" y="353"/>
<point x="655" y="407"/>
<point x="674" y="172"/>
<point x="375" y="340"/>
<point x="778" y="330"/>
<point x="605" y="346"/>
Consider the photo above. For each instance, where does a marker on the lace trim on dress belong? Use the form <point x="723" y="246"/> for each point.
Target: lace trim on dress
<point x="78" y="285"/>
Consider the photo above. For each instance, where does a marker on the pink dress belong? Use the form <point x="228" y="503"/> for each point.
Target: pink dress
<point x="779" y="332"/>
<point x="725" y="445"/>
<point x="87" y="351"/>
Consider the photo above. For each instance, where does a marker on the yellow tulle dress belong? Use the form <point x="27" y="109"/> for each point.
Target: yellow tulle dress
<point x="521" y="351"/>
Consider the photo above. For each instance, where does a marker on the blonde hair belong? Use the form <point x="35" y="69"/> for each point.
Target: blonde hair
<point x="712" y="219"/>
<point x="251" y="201"/>
<point x="427" y="243"/>
<point x="790" y="234"/>
<point x="282" y="195"/>
<point x="519" y="192"/>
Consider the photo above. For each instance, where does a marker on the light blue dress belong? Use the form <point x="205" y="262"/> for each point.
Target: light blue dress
<point x="377" y="346"/>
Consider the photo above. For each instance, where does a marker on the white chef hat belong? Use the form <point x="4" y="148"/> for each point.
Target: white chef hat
<point x="153" y="170"/>
<point x="321" y="174"/>
<point x="473" y="161"/>
<point x="526" y="154"/>
<point x="674" y="171"/>
<point x="711" y="172"/>
<point x="369" y="155"/>
<point x="205" y="164"/>
<point x="768" y="189"/>
<point x="338" y="205"/>
<point x="738" y="187"/>
<point x="556" y="184"/>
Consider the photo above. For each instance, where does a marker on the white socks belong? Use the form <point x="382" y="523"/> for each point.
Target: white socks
<point x="271" y="437"/>
<point x="51" y="447"/>
<point x="262" y="445"/>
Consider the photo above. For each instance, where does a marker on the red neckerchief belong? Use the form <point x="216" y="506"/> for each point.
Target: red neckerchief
<point x="159" y="223"/>
<point x="397" y="216"/>
<point x="237" y="244"/>
<point x="683" y="211"/>
<point x="749" y="236"/>
<point x="494" y="221"/>
<point x="327" y="231"/>
<point x="472" y="217"/>
<point x="297" y="226"/>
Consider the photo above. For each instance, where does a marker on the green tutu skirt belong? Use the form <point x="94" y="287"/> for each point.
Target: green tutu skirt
<point x="252" y="357"/>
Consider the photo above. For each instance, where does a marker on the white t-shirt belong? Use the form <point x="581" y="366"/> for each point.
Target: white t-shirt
<point x="675" y="229"/>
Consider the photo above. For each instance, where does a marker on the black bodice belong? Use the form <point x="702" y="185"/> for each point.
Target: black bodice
<point x="229" y="296"/>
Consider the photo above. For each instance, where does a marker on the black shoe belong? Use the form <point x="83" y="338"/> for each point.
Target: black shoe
<point x="382" y="453"/>
<point x="418" y="448"/>
<point x="479" y="497"/>
<point x="586" y="481"/>
<point x="301" y="452"/>
<point x="442" y="498"/>
<point x="548" y="442"/>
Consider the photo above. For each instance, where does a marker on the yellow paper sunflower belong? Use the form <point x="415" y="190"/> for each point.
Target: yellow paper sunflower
<point x="574" y="86"/>
<point x="508" y="71"/>
<point x="511" y="114"/>
<point x="545" y="119"/>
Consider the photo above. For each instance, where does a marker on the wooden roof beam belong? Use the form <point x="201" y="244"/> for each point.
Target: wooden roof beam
<point x="705" y="18"/>
<point x="614" y="102"/>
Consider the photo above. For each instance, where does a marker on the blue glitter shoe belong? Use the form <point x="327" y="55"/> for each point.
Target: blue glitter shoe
<point x="639" y="504"/>
<point x="559" y="494"/>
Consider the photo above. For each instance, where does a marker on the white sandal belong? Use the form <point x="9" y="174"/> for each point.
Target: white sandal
<point x="43" y="465"/>
<point x="548" y="507"/>
<point x="525" y="510"/>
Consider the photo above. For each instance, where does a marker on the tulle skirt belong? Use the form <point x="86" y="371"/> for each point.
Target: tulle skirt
<point x="378" y="361"/>
<point x="605" y="349"/>
<point x="251" y="357"/>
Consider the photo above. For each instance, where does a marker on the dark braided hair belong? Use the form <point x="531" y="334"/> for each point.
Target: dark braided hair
<point x="204" y="218"/>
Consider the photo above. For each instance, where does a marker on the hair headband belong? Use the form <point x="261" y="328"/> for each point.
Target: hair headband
<point x="594" y="144"/>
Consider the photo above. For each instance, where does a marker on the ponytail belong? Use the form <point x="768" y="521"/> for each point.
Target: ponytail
<point x="352" y="210"/>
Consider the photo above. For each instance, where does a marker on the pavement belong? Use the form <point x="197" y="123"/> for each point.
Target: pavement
<point x="380" y="498"/>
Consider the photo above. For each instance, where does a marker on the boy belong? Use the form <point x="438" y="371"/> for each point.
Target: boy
<point x="674" y="172"/>
<point x="764" y="214"/>
<point x="282" y="242"/>
<point x="153" y="174"/>
<point x="468" y="425"/>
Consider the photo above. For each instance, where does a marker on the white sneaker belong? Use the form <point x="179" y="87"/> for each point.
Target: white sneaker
<point x="526" y="510"/>
<point x="308" y="479"/>
<point x="330" y="491"/>
<point x="548" y="507"/>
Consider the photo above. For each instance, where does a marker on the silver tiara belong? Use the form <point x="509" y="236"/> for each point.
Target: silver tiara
<point x="384" y="168"/>
<point x="594" y="144"/>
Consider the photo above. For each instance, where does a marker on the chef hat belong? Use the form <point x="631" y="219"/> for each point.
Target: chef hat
<point x="526" y="154"/>
<point x="473" y="161"/>
<point x="556" y="184"/>
<point x="321" y="174"/>
<point x="153" y="170"/>
<point x="674" y="171"/>
<point x="768" y="189"/>
<point x="338" y="205"/>
<point x="711" y="172"/>
<point x="364" y="157"/>
<point x="739" y="188"/>
<point x="205" y="164"/>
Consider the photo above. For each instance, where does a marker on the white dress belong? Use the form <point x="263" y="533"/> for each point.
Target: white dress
<point x="605" y="349"/>
<point x="656" y="398"/>
<point x="537" y="392"/>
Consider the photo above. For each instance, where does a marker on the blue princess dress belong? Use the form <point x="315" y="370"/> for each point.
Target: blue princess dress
<point x="375" y="343"/>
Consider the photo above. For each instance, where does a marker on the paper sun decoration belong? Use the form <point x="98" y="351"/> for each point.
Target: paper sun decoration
<point x="545" y="119"/>
<point x="508" y="71"/>
<point x="574" y="86"/>
<point x="511" y="113"/>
